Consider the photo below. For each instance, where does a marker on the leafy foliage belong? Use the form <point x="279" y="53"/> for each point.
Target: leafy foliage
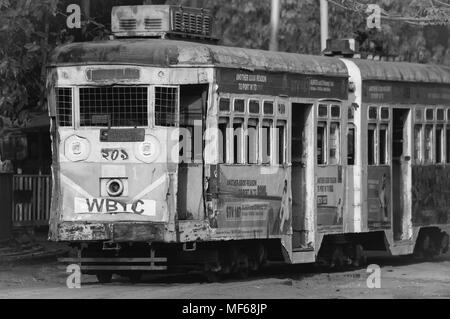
<point x="30" y="29"/>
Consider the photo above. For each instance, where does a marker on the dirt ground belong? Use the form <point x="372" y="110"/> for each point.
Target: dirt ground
<point x="400" y="278"/>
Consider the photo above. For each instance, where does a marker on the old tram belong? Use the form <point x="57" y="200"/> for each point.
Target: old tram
<point x="170" y="154"/>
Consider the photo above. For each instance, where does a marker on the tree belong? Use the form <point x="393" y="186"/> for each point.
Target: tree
<point x="29" y="30"/>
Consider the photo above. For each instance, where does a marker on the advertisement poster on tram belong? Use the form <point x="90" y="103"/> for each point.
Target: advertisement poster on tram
<point x="378" y="198"/>
<point x="253" y="206"/>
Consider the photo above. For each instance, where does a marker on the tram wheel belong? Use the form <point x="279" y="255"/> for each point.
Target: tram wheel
<point x="104" y="277"/>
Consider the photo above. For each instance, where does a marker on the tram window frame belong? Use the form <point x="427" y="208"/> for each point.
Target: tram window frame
<point x="177" y="107"/>
<point x="369" y="109"/>
<point x="383" y="149"/>
<point x="442" y="111"/>
<point x="334" y="107"/>
<point x="238" y="149"/>
<point x="384" y="108"/>
<point x="322" y="138"/>
<point x="89" y="114"/>
<point x="429" y="111"/>
<point x="320" y="107"/>
<point x="418" y="115"/>
<point x="243" y="106"/>
<point x="280" y="107"/>
<point x="372" y="145"/>
<point x="439" y="144"/>
<point x="249" y="107"/>
<point x="229" y="105"/>
<point x="64" y="120"/>
<point x="281" y="142"/>
<point x="428" y="147"/>
<point x="268" y="102"/>
<point x="418" y="143"/>
<point x="266" y="143"/>
<point x="252" y="141"/>
<point x="334" y="159"/>
<point x="223" y="139"/>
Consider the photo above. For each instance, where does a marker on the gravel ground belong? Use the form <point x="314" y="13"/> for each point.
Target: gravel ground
<point x="400" y="278"/>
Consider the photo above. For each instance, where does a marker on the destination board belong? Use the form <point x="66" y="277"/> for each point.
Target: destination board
<point x="275" y="84"/>
<point x="404" y="92"/>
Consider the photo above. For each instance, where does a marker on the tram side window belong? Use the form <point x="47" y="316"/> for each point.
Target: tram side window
<point x="438" y="146"/>
<point x="448" y="143"/>
<point x="351" y="140"/>
<point x="238" y="137"/>
<point x="223" y="129"/>
<point x="252" y="141"/>
<point x="418" y="142"/>
<point x="383" y="145"/>
<point x="166" y="104"/>
<point x="224" y="105"/>
<point x="64" y="106"/>
<point x="281" y="137"/>
<point x="428" y="143"/>
<point x="334" y="143"/>
<point x="266" y="143"/>
<point x="321" y="143"/>
<point x="371" y="136"/>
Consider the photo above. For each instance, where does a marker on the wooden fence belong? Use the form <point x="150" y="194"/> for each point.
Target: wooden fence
<point x="31" y="200"/>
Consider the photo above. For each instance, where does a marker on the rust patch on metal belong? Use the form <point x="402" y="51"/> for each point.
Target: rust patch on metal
<point x="83" y="232"/>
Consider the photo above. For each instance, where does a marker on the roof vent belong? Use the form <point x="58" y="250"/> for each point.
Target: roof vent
<point x="347" y="48"/>
<point x="162" y="21"/>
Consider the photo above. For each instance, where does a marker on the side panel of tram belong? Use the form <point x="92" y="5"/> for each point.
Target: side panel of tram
<point x="265" y="178"/>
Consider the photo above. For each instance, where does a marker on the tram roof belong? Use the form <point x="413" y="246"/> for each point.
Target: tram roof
<point x="403" y="71"/>
<point x="169" y="53"/>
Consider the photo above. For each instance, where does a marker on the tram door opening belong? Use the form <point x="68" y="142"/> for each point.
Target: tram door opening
<point x="299" y="166"/>
<point x="193" y="99"/>
<point x="400" y="166"/>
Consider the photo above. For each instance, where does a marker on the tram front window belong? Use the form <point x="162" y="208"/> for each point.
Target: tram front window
<point x="113" y="106"/>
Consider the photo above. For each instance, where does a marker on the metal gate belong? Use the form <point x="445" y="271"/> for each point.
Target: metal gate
<point x="31" y="200"/>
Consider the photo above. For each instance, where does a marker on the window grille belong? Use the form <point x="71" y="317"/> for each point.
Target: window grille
<point x="64" y="106"/>
<point x="114" y="106"/>
<point x="166" y="106"/>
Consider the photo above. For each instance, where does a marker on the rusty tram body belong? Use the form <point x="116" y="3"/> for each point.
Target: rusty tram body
<point x="170" y="153"/>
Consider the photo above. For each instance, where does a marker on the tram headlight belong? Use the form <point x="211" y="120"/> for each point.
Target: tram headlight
<point x="76" y="148"/>
<point x="114" y="187"/>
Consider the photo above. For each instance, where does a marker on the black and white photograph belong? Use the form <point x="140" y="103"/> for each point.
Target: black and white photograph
<point x="224" y="154"/>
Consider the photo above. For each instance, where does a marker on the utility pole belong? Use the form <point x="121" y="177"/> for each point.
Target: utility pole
<point x="275" y="24"/>
<point x="86" y="7"/>
<point x="323" y="24"/>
